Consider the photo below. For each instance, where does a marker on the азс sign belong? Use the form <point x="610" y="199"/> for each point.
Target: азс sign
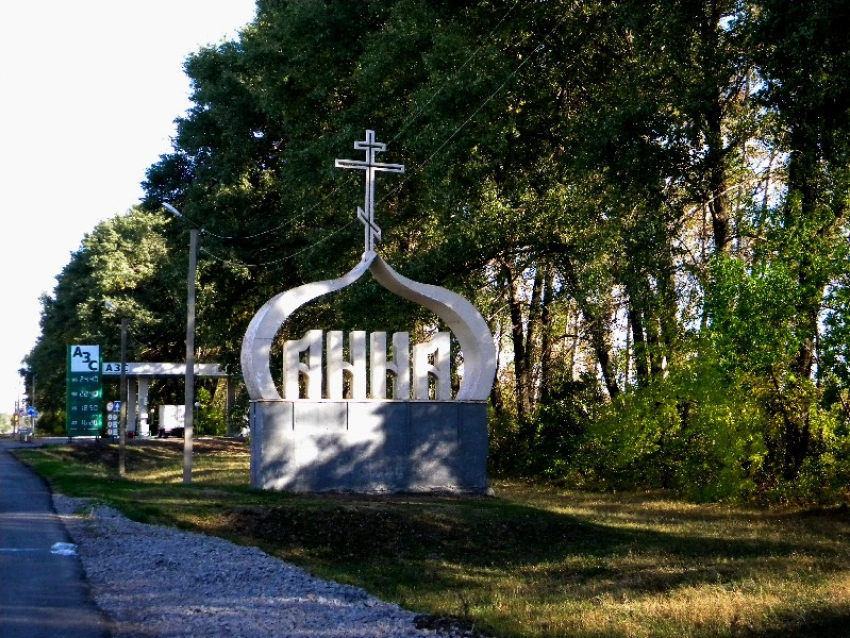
<point x="83" y="409"/>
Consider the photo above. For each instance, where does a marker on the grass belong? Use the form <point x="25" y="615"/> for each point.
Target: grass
<point x="534" y="561"/>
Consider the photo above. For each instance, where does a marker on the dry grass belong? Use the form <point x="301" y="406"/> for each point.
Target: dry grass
<point x="534" y="561"/>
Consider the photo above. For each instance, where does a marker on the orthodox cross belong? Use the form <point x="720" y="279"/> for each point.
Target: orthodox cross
<point x="367" y="214"/>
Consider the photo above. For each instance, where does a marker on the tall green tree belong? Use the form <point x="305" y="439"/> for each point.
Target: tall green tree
<point x="804" y="63"/>
<point x="130" y="261"/>
<point x="646" y="198"/>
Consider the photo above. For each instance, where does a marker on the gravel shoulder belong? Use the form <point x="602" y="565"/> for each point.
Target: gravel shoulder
<point x="160" y="581"/>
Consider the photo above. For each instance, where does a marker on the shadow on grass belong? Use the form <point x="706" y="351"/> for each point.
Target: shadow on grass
<point x="453" y="541"/>
<point x="543" y="548"/>
<point x="829" y="622"/>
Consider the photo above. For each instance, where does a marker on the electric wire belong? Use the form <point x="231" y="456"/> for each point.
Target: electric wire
<point x="419" y="167"/>
<point x="420" y="109"/>
<point x="404" y="127"/>
<point x="240" y="264"/>
<point x="288" y="222"/>
<point x="416" y="169"/>
<point x="399" y="186"/>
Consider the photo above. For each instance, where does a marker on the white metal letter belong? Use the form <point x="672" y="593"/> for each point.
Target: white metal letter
<point x="337" y="366"/>
<point x="399" y="367"/>
<point x="293" y="368"/>
<point x="438" y="351"/>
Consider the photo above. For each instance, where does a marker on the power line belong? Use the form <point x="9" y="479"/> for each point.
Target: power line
<point x="404" y="127"/>
<point x="417" y="169"/>
<point x="475" y="53"/>
<point x="540" y="47"/>
<point x="242" y="264"/>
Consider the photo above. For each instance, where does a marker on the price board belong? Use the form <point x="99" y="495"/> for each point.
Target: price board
<point x="85" y="391"/>
<point x="113" y="416"/>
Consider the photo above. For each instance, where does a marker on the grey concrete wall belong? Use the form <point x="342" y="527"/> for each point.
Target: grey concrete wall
<point x="369" y="446"/>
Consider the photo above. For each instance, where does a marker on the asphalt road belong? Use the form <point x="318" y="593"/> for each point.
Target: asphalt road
<point x="43" y="594"/>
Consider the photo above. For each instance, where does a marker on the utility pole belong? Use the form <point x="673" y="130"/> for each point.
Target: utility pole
<point x="189" y="408"/>
<point x="122" y="392"/>
<point x="189" y="403"/>
<point x="32" y="403"/>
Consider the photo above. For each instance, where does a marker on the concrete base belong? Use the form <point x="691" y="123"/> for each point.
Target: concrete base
<point x="369" y="446"/>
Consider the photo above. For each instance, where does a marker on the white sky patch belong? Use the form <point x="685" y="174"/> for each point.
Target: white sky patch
<point x="90" y="90"/>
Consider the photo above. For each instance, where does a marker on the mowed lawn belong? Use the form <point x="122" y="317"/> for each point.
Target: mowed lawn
<point x="531" y="561"/>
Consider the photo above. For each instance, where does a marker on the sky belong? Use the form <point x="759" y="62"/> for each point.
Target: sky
<point x="89" y="91"/>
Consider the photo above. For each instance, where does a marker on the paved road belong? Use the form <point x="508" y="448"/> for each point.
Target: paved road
<point x="42" y="594"/>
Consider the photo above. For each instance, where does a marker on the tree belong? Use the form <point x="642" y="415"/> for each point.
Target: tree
<point x="130" y="261"/>
<point x="803" y="60"/>
<point x="647" y="200"/>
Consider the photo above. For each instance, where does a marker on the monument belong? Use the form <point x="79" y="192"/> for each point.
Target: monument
<point x="377" y="423"/>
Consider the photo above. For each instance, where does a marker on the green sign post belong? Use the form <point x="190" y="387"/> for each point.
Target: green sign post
<point x="85" y="391"/>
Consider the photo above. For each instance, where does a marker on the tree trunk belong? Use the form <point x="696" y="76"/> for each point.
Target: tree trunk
<point x="533" y="331"/>
<point x="639" y="340"/>
<point x="600" y="348"/>
<point x="546" y="339"/>
<point x="718" y="204"/>
<point x="597" y="325"/>
<point x="802" y="180"/>
<point x="518" y="335"/>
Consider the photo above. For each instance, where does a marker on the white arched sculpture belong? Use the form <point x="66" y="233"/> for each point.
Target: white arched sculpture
<point x="369" y="444"/>
<point x="470" y="329"/>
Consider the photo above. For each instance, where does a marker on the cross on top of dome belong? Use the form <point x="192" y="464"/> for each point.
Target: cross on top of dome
<point x="367" y="214"/>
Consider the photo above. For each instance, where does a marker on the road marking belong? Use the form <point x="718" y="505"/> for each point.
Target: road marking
<point x="64" y="549"/>
<point x="61" y="549"/>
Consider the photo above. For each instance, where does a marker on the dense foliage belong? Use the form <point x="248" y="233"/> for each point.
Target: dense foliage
<point x="647" y="200"/>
